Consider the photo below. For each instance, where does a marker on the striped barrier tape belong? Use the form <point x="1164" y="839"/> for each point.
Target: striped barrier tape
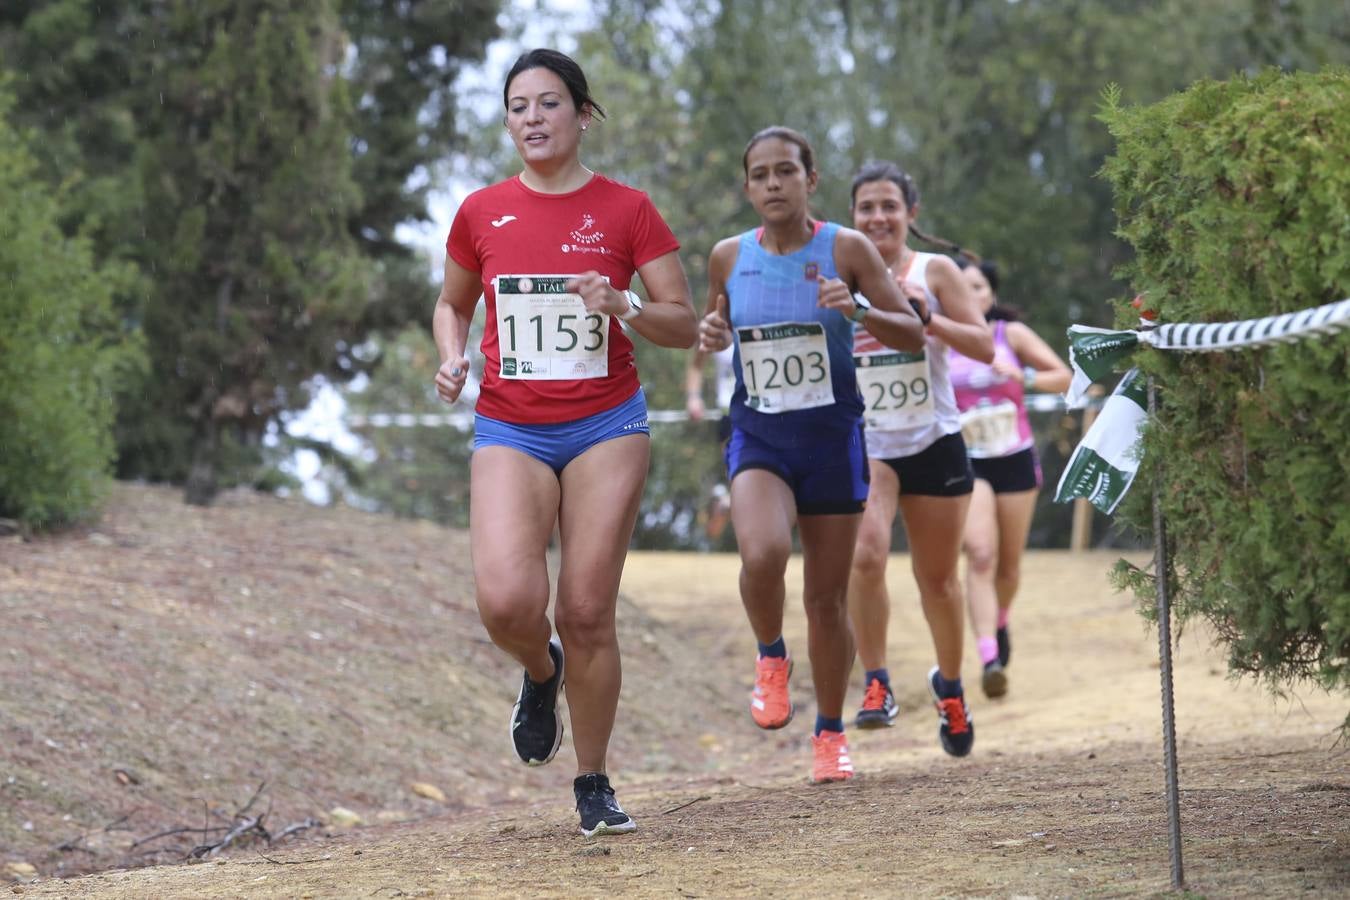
<point x="1104" y="464"/>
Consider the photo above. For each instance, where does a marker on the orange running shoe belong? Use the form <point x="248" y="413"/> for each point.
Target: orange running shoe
<point x="832" y="761"/>
<point x="878" y="706"/>
<point x="770" y="705"/>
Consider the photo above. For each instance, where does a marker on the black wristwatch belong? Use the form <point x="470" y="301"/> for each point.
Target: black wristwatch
<point x="860" y="308"/>
<point x="915" y="304"/>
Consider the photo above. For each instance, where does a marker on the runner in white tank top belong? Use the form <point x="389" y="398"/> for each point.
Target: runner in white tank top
<point x="918" y="462"/>
<point x="906" y="417"/>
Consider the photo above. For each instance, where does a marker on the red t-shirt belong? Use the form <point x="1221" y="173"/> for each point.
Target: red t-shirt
<point x="508" y="229"/>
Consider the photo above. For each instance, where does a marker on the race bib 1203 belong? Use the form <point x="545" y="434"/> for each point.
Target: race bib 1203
<point x="786" y="366"/>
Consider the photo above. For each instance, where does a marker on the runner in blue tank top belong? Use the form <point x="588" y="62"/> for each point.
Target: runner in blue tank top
<point x="783" y="294"/>
<point x="797" y="398"/>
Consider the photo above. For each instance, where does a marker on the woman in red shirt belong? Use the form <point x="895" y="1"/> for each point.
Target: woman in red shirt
<point x="561" y="431"/>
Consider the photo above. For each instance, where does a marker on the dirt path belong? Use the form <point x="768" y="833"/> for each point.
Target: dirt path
<point x="1062" y="796"/>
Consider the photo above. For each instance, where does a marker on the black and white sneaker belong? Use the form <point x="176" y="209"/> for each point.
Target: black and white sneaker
<point x="956" y="729"/>
<point x="600" y="812"/>
<point x="878" y="707"/>
<point x="536" y="727"/>
<point x="1004" y="646"/>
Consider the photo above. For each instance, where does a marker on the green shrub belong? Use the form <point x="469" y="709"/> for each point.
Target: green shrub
<point x="60" y="351"/>
<point x="1236" y="198"/>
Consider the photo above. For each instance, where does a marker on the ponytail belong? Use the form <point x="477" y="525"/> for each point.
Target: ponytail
<point x="957" y="250"/>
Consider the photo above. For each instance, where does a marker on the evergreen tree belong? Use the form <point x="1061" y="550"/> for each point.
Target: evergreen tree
<point x="247" y="187"/>
<point x="174" y="126"/>
<point x="405" y="59"/>
<point x="61" y="350"/>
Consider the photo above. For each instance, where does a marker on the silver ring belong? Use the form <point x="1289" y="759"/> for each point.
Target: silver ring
<point x="454" y="373"/>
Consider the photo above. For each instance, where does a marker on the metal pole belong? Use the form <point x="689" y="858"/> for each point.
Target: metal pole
<point x="1161" y="570"/>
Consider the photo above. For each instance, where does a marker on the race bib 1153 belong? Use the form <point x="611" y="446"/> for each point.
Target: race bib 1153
<point x="546" y="333"/>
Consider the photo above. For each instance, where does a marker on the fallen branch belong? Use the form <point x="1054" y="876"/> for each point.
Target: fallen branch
<point x="244" y="826"/>
<point x="294" y="862"/>
<point x="683" y="805"/>
<point x="182" y="829"/>
<point x="295" y="828"/>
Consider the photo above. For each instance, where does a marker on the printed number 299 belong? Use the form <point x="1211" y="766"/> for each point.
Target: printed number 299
<point x="899" y="393"/>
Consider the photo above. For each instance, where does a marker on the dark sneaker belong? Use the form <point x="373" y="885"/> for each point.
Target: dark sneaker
<point x="994" y="681"/>
<point x="878" y="706"/>
<point x="956" y="730"/>
<point x="536" y="727"/>
<point x="600" y="812"/>
<point x="1004" y="646"/>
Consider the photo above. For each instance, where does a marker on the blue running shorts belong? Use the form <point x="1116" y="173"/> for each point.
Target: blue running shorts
<point x="828" y="477"/>
<point x="557" y="444"/>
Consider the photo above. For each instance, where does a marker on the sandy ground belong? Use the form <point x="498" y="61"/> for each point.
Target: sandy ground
<point x="1063" y="795"/>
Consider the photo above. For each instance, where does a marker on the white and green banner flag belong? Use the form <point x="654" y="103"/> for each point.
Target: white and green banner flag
<point x="1103" y="466"/>
<point x="1095" y="352"/>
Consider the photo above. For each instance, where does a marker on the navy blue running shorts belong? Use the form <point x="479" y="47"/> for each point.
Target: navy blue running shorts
<point x="828" y="477"/>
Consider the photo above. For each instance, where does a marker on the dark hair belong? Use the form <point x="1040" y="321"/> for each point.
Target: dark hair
<point x="560" y="64"/>
<point x="884" y="170"/>
<point x="783" y="133"/>
<point x="989" y="269"/>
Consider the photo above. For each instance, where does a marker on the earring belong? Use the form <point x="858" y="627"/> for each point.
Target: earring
<point x="583" y="127"/>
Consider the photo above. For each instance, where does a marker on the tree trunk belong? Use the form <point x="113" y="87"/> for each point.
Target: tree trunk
<point x="202" y="481"/>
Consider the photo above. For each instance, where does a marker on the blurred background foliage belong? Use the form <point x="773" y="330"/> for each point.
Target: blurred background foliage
<point x="250" y="164"/>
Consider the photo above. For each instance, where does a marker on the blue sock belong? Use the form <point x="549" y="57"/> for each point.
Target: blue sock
<point x="778" y="648"/>
<point x="879" y="674"/>
<point x="824" y="724"/>
<point x="947" y="689"/>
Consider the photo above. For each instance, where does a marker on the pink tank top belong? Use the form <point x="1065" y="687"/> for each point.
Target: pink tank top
<point x="993" y="410"/>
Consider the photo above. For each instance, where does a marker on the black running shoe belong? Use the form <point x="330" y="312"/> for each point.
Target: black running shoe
<point x="878" y="707"/>
<point x="956" y="730"/>
<point x="536" y="727"/>
<point x="994" y="681"/>
<point x="1004" y="646"/>
<point x="600" y="812"/>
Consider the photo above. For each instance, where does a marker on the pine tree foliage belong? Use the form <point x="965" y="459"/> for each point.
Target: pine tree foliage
<point x="61" y="350"/>
<point x="253" y="161"/>
<point x="247" y="190"/>
<point x="1236" y="199"/>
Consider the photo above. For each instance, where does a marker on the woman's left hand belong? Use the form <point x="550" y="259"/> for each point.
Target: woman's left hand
<point x="834" y="294"/>
<point x="918" y="299"/>
<point x="598" y="294"/>
<point x="1006" y="370"/>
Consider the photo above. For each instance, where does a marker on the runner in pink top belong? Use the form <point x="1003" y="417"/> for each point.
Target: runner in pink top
<point x="991" y="398"/>
<point x="993" y="412"/>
